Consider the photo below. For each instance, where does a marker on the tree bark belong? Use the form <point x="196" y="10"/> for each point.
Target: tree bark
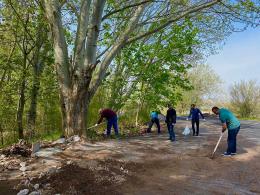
<point x="2" y="135"/>
<point x="20" y="109"/>
<point x="33" y="106"/>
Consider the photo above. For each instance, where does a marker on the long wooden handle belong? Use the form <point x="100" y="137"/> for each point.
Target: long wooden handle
<point x="95" y="125"/>
<point x="218" y="143"/>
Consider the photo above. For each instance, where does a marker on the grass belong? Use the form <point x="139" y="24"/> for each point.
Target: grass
<point x="249" y="118"/>
<point x="42" y="137"/>
<point x="91" y="134"/>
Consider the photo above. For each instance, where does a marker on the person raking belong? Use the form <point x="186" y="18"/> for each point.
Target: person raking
<point x="230" y="122"/>
<point x="154" y="119"/>
<point x="112" y="120"/>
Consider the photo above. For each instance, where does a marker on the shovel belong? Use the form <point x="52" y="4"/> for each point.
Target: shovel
<point x="221" y="135"/>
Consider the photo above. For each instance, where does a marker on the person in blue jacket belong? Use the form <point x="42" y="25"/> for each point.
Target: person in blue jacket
<point x="195" y="118"/>
<point x="154" y="119"/>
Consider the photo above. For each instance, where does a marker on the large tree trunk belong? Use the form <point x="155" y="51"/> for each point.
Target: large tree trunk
<point x="20" y="110"/>
<point x="2" y="134"/>
<point x="33" y="106"/>
<point x="75" y="78"/>
<point x="74" y="115"/>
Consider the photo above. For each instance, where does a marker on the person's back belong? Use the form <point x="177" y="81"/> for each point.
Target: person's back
<point x="154" y="115"/>
<point x="154" y="119"/>
<point x="171" y="116"/>
<point x="229" y="118"/>
<point x="195" y="113"/>
<point x="111" y="117"/>
<point x="108" y="113"/>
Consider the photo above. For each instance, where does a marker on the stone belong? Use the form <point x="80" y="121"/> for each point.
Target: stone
<point x="76" y="138"/>
<point x="27" y="182"/>
<point x="23" y="192"/>
<point x="35" y="147"/>
<point x="60" y="141"/>
<point x="41" y="175"/>
<point x="47" y="185"/>
<point x="52" y="170"/>
<point x="69" y="162"/>
<point x="23" y="164"/>
<point x="36" y="186"/>
<point x="35" y="193"/>
<point x="23" y="169"/>
<point x="47" y="152"/>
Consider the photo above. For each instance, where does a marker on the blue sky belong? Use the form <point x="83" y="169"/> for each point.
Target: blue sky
<point x="239" y="58"/>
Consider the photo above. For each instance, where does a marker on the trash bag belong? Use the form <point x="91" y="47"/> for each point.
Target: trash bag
<point x="186" y="131"/>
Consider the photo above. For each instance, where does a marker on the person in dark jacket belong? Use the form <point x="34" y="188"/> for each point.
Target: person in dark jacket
<point x="111" y="117"/>
<point x="154" y="119"/>
<point x="195" y="118"/>
<point x="171" y="121"/>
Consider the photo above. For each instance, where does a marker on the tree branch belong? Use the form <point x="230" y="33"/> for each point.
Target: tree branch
<point x="52" y="10"/>
<point x="184" y="14"/>
<point x="81" y="33"/>
<point x="114" y="50"/>
<point x="93" y="32"/>
<point x="123" y="8"/>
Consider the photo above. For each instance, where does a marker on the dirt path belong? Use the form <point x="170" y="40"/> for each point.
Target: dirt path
<point x="152" y="165"/>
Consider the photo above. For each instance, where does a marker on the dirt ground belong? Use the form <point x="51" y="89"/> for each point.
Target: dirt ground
<point x="148" y="164"/>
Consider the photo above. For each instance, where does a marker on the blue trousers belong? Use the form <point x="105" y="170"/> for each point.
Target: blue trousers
<point x="157" y="122"/>
<point x="112" y="122"/>
<point x="170" y="127"/>
<point x="232" y="140"/>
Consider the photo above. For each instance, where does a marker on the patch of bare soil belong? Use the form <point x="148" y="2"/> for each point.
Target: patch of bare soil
<point x="148" y="164"/>
<point x="7" y="187"/>
<point x="103" y="178"/>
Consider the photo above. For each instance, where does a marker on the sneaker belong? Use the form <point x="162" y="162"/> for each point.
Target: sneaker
<point x="226" y="154"/>
<point x="233" y="153"/>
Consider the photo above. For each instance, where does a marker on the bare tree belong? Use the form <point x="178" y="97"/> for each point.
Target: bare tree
<point x="245" y="98"/>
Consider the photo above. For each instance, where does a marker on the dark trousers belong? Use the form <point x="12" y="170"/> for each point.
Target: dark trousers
<point x="170" y="127"/>
<point x="232" y="140"/>
<point x="157" y="122"/>
<point x="197" y="122"/>
<point x="112" y="122"/>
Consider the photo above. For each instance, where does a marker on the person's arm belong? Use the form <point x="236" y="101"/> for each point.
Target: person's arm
<point x="224" y="127"/>
<point x="201" y="114"/>
<point x="167" y="116"/>
<point x="174" y="116"/>
<point x="190" y="113"/>
<point x="224" y="123"/>
<point x="100" y="119"/>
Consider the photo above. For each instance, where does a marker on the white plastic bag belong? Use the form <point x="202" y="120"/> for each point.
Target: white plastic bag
<point x="186" y="131"/>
